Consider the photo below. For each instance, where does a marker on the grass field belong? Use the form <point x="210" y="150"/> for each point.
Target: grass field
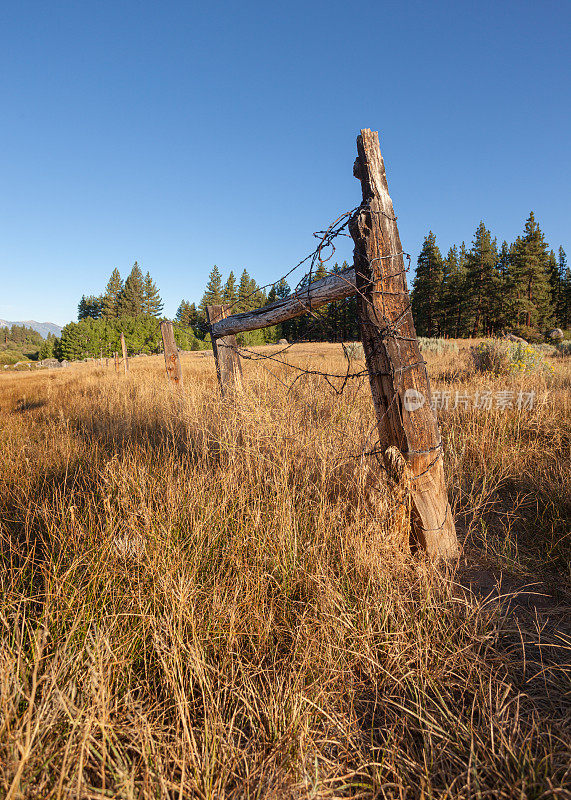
<point x="200" y="601"/>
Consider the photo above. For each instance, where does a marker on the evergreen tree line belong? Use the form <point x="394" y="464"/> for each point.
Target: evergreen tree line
<point x="132" y="306"/>
<point x="332" y="322"/>
<point x="521" y="287"/>
<point x="135" y="296"/>
<point x="19" y="337"/>
<point x="244" y="295"/>
<point x="95" y="338"/>
<point x="19" y="342"/>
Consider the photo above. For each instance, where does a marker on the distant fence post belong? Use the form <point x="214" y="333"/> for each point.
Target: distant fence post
<point x="116" y="360"/>
<point x="124" y="350"/>
<point x="172" y="357"/>
<point x="228" y="366"/>
<point x="397" y="372"/>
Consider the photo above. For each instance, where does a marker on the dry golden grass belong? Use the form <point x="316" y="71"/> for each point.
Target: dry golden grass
<point x="201" y="601"/>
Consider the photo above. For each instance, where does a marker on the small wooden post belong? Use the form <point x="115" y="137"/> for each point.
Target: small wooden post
<point x="172" y="357"/>
<point x="397" y="373"/>
<point x="228" y="366"/>
<point x="116" y="359"/>
<point x="124" y="350"/>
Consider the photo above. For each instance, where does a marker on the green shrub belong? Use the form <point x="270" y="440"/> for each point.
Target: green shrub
<point x="11" y="356"/>
<point x="502" y="357"/>
<point x="546" y="349"/>
<point x="259" y="337"/>
<point x="354" y="351"/>
<point x="564" y="347"/>
<point x="200" y="344"/>
<point x="438" y="346"/>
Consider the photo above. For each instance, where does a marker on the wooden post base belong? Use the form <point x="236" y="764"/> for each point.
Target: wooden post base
<point x="225" y="349"/>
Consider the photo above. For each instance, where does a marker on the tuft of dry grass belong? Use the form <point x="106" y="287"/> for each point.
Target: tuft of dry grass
<point x="208" y="600"/>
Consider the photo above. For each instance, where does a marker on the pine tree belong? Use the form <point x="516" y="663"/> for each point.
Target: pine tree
<point x="244" y="291"/>
<point x="554" y="280"/>
<point x="426" y="287"/>
<point x="481" y="280"/>
<point x="446" y="305"/>
<point x="82" y="308"/>
<point x="230" y="292"/>
<point x="132" y="298"/>
<point x="152" y="303"/>
<point x="452" y="311"/>
<point x="213" y="291"/>
<point x="316" y="326"/>
<point x="90" y="307"/>
<point x="249" y="293"/>
<point x="279" y="291"/>
<point x="531" y="279"/>
<point x="188" y="317"/>
<point x="197" y="322"/>
<point x="47" y="348"/>
<point x="183" y="314"/>
<point x="112" y="295"/>
<point x="344" y="322"/>
<point x="502" y="304"/>
<point x="558" y="267"/>
<point x="282" y="289"/>
<point x="193" y="317"/>
<point x="564" y="309"/>
<point x="259" y="297"/>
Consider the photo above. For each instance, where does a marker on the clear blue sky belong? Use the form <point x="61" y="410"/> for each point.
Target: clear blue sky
<point x="182" y="135"/>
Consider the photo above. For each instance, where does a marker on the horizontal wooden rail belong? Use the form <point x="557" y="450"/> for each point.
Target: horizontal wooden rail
<point x="332" y="287"/>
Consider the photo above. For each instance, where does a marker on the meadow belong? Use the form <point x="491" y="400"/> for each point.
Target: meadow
<point x="207" y="600"/>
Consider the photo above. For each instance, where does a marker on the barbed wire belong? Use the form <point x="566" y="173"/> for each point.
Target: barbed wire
<point x="384" y="329"/>
<point x="326" y="238"/>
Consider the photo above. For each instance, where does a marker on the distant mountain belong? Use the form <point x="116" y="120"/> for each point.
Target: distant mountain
<point x="43" y="328"/>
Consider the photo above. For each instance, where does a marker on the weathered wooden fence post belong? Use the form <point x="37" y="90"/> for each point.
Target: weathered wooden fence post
<point x="397" y="373"/>
<point x="124" y="350"/>
<point x="172" y="357"/>
<point x="116" y="360"/>
<point x="228" y="366"/>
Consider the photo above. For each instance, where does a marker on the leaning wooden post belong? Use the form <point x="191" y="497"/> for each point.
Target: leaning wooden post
<point x="172" y="357"/>
<point x="397" y="372"/>
<point x="124" y="350"/>
<point x="225" y="349"/>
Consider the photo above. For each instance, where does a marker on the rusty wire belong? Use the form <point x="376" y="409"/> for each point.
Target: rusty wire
<point x="385" y="329"/>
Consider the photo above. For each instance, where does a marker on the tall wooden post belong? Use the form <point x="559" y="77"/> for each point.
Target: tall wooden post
<point x="228" y="366"/>
<point x="397" y="373"/>
<point x="124" y="350"/>
<point x="172" y="357"/>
